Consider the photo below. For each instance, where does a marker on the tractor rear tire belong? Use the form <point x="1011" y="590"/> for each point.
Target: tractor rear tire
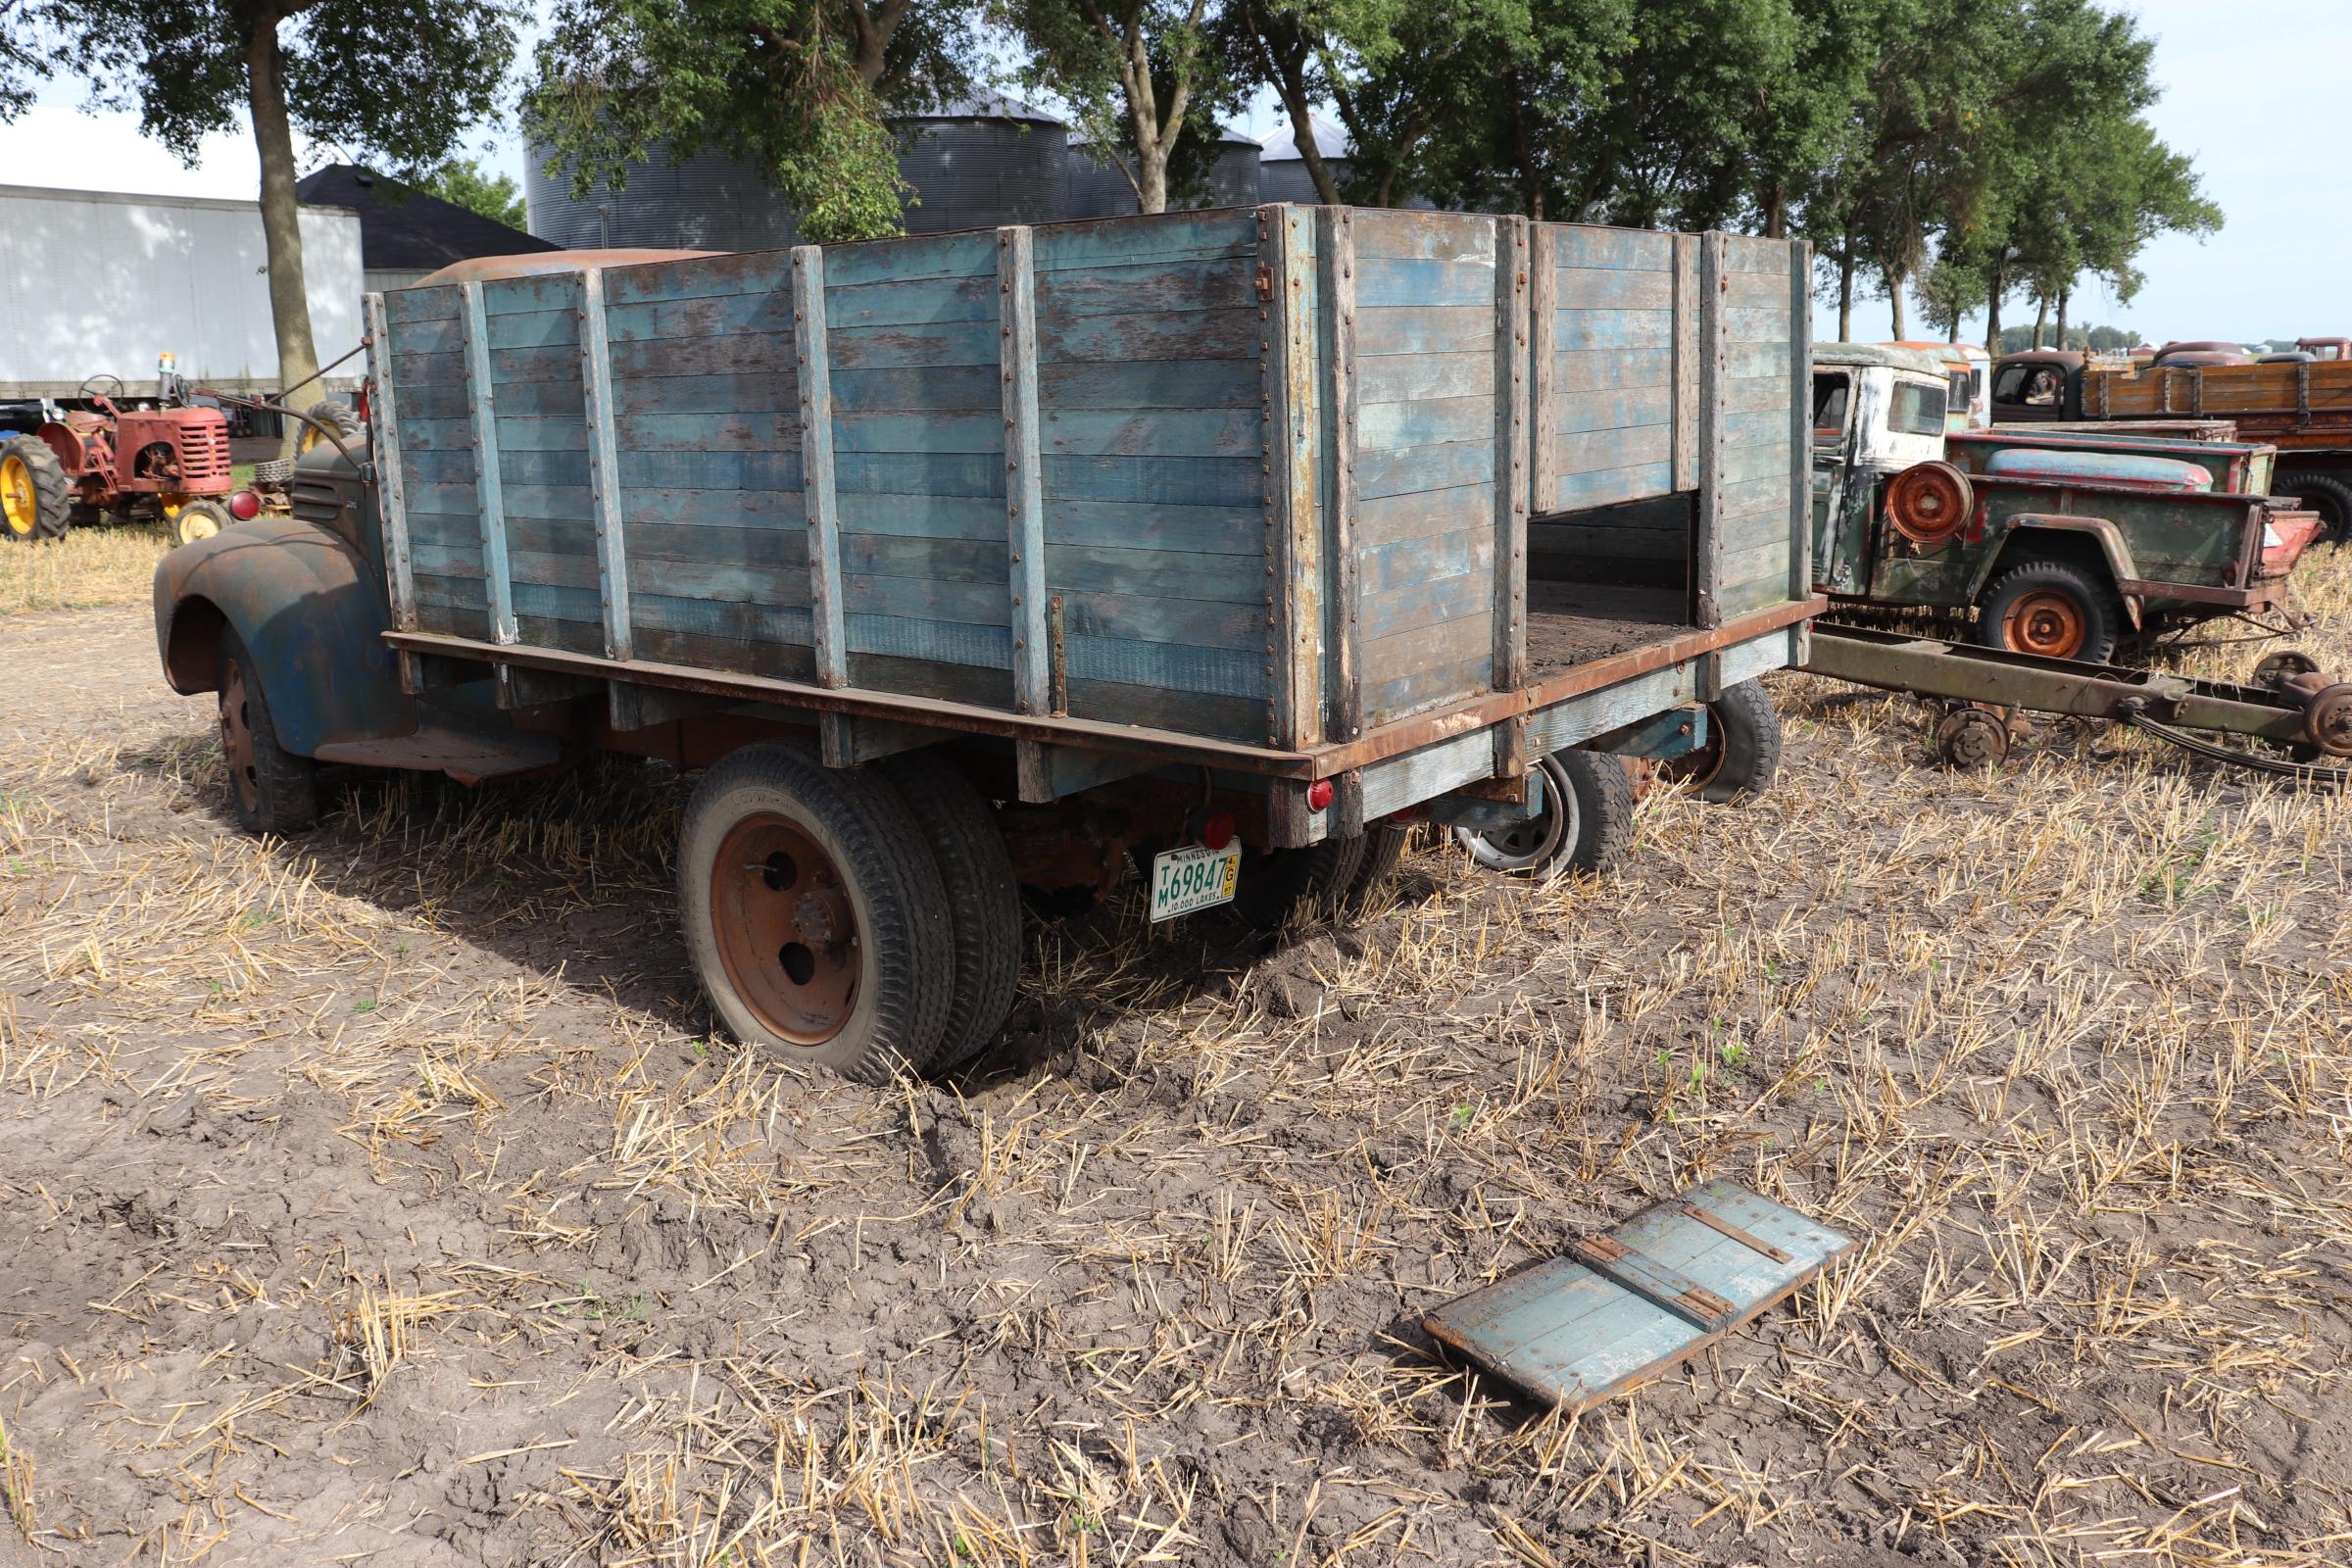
<point x="270" y="790"/>
<point x="2050" y="608"/>
<point x="334" y="413"/>
<point x="2324" y="494"/>
<point x="814" y="914"/>
<point x="36" y="501"/>
<point x="984" y="899"/>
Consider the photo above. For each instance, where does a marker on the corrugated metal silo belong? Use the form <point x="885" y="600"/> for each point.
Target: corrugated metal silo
<point x="1099" y="190"/>
<point x="1282" y="175"/>
<point x="973" y="163"/>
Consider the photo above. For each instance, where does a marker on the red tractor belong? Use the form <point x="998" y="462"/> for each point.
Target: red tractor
<point x="166" y="464"/>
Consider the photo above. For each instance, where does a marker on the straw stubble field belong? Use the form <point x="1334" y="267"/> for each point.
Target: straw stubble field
<point x="379" y="1196"/>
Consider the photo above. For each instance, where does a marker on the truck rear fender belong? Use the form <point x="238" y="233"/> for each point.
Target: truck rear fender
<point x="2092" y="543"/>
<point x="302" y="603"/>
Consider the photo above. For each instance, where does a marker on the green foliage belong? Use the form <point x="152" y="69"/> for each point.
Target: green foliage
<point x="2099" y="339"/>
<point x="797" y="88"/>
<point x="466" y="184"/>
<point x="399" y="80"/>
<point x="1138" y="75"/>
<point x="26" y="41"/>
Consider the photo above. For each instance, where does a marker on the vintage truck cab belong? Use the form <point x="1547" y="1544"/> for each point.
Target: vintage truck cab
<point x="2058" y="541"/>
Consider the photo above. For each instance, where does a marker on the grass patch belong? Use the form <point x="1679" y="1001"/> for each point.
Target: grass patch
<point x="88" y="568"/>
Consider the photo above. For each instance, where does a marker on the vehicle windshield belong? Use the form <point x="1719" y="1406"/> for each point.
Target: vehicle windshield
<point x="2036" y="385"/>
<point x="1829" y="393"/>
<point x="1918" y="407"/>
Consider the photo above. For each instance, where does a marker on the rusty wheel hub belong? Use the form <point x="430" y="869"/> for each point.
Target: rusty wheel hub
<point x="1972" y="737"/>
<point x="2048" y="623"/>
<point x="2328" y="719"/>
<point x="236" y="737"/>
<point x="786" y="929"/>
<point x="1697" y="767"/>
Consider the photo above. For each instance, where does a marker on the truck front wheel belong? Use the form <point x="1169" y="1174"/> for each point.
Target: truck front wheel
<point x="270" y="790"/>
<point x="2050" y="608"/>
<point x="814" y="914"/>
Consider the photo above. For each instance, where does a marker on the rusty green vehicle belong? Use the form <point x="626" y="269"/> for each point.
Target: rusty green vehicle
<point x="2059" y="543"/>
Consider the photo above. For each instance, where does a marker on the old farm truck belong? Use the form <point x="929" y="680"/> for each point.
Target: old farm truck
<point x="1219" y="543"/>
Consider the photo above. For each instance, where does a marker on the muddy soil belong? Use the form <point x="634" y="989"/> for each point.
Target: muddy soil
<point x="381" y="1196"/>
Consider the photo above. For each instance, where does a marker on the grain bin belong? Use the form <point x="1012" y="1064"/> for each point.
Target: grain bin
<point x="1097" y="189"/>
<point x="972" y="164"/>
<point x="1282" y="175"/>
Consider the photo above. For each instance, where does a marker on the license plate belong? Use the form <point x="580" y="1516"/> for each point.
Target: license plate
<point x="1195" y="877"/>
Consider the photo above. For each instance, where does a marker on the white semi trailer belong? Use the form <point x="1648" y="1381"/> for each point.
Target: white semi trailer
<point x="96" y="283"/>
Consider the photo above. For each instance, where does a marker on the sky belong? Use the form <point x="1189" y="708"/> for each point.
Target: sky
<point x="2262" y="128"/>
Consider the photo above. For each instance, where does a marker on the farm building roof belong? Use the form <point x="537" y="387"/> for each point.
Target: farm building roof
<point x="402" y="228"/>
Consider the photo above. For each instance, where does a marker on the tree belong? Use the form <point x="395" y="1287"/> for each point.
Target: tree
<point x="25" y="37"/>
<point x="1294" y="47"/>
<point x="468" y="184"/>
<point x="797" y="88"/>
<point x="1133" y="72"/>
<point x="327" y="68"/>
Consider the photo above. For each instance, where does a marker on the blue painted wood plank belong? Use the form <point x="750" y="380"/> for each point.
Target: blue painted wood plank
<point x="486" y="476"/>
<point x="922" y="516"/>
<point x="1208" y="530"/>
<point x="705" y="356"/>
<point x="1241" y="718"/>
<point x="1745" y="360"/>
<point x="1611" y="289"/>
<point x="433" y="402"/>
<point x="770" y="512"/>
<point x="1155" y="432"/>
<point x="1114" y="242"/>
<point x="933" y="559"/>
<point x="714" y="315"/>
<point x="755" y="545"/>
<point x="535" y="330"/>
<point x="447" y="560"/>
<point x="1604" y="369"/>
<point x="558" y="364"/>
<point x="535" y="432"/>
<point x="1591" y="246"/>
<point x="1612" y="331"/>
<point x="1431" y="602"/>
<point x="1154" y="335"/>
<point x="1181" y="481"/>
<point x="712" y="617"/>
<point x="542" y="568"/>
<point x="558" y="401"/>
<point x="1205" y="623"/>
<point x="437" y="304"/>
<point x="1436" y="422"/>
<point x="1408" y="470"/>
<point x="939" y="389"/>
<point x="1601" y="487"/>
<point x="968" y="254"/>
<point x="1768" y="429"/>
<point x="445" y="336"/>
<point x="559" y="502"/>
<point x="940" y="473"/>
<point x="1153" y="384"/>
<point x="1431" y="688"/>
<point x="945" y="642"/>
<point x="563" y="536"/>
<point x="1442" y="329"/>
<point x="441" y="369"/>
<point x="1756" y="394"/>
<point x="1412" y="377"/>
<point x="1421" y="514"/>
<point x="874" y="347"/>
<point x="768" y="472"/>
<point x="553" y="602"/>
<point x="1757" y="325"/>
<point x="1384" y="566"/>
<point x="775" y="430"/>
<point x="736" y="392"/>
<point x="975" y="604"/>
<point x="911" y="302"/>
<point x="1386" y="233"/>
<point x="1224" y="282"/>
<point x="1176" y="575"/>
<point x="700" y="278"/>
<point x="1170" y="667"/>
<point x="924" y="434"/>
<point x="1766" y="563"/>
<point x="1613" y="409"/>
<point x="455" y="527"/>
<point x="1589" y="451"/>
<point x="1423" y="282"/>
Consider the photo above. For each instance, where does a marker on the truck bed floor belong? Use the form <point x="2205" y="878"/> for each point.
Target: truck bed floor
<point x="1571" y="623"/>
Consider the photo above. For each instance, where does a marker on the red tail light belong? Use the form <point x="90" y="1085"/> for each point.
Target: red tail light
<point x="244" y="506"/>
<point x="1318" y="795"/>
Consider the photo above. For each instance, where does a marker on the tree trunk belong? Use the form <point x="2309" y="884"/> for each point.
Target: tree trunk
<point x="1845" y="298"/>
<point x="1894" y="304"/>
<point x="281" y="225"/>
<point x="2041" y="317"/>
<point x="2063" y="291"/>
<point x="1993" y="309"/>
<point x="1775" y="210"/>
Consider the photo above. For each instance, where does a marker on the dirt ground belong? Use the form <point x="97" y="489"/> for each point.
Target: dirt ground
<point x="380" y="1198"/>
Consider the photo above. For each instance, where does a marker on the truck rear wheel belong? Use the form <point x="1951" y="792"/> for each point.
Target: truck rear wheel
<point x="1585" y="823"/>
<point x="1274" y="882"/>
<point x="2050" y="608"/>
<point x="1743" y="754"/>
<point x="983" y="900"/>
<point x="814" y="914"/>
<point x="2324" y="493"/>
<point x="34" y="500"/>
<point x="270" y="790"/>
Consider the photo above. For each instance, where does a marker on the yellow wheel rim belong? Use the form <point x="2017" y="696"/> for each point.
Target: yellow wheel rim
<point x="18" y="505"/>
<point x="197" y="525"/>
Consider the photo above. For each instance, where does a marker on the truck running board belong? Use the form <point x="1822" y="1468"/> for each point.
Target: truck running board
<point x="2289" y="704"/>
<point x="1620" y="1308"/>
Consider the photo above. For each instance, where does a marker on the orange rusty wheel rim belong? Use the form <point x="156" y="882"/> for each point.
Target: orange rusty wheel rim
<point x="786" y="930"/>
<point x="236" y="737"/>
<point x="2046" y="622"/>
<point x="1697" y="767"/>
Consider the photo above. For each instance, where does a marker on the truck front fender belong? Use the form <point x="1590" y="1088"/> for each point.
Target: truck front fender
<point x="303" y="603"/>
<point x="2085" y="534"/>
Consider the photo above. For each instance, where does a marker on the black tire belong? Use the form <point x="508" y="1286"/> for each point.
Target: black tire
<point x="2061" y="584"/>
<point x="2324" y="494"/>
<point x="270" y="790"/>
<point x="903" y="968"/>
<point x="1586" y="822"/>
<point x="38" y="503"/>
<point x="983" y="900"/>
<point x="1275" y="882"/>
<point x="1383" y="849"/>
<point x="1743" y="754"/>
<point x="198" y="520"/>
<point x="331" y="411"/>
